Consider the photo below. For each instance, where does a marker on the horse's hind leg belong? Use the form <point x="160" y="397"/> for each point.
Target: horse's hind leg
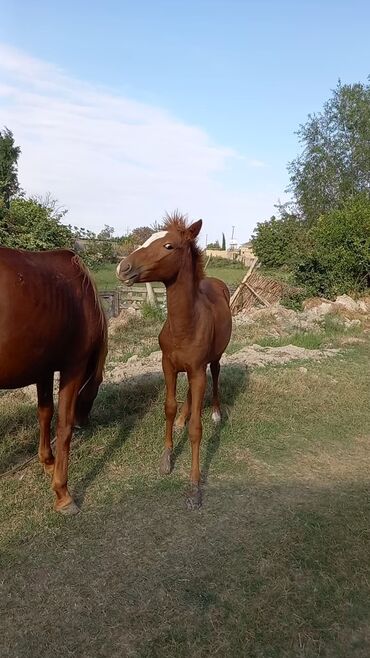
<point x="45" y="409"/>
<point x="216" y="409"/>
<point x="69" y="387"/>
<point x="184" y="414"/>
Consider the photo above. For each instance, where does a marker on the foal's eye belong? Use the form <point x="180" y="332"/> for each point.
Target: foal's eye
<point x="168" y="246"/>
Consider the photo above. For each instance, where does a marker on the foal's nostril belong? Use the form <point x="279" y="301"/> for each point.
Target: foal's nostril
<point x="126" y="268"/>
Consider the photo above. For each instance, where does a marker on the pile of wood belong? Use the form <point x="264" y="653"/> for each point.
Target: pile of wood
<point x="255" y="290"/>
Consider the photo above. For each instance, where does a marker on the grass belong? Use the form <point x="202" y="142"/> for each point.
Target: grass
<point x="105" y="276"/>
<point x="275" y="565"/>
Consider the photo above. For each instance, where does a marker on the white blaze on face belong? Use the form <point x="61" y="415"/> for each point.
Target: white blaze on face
<point x="153" y="238"/>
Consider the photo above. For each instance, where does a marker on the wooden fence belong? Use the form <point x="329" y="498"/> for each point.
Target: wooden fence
<point x="114" y="301"/>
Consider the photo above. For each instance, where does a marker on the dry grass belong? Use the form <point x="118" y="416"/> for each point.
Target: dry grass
<point x="275" y="565"/>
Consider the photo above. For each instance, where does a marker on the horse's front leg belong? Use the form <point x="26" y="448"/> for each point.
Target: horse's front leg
<point x="170" y="376"/>
<point x="197" y="382"/>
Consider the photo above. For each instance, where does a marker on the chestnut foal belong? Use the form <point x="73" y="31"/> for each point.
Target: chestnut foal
<point x="196" y="332"/>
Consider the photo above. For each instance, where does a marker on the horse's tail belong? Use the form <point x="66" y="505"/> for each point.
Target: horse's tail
<point x="96" y="362"/>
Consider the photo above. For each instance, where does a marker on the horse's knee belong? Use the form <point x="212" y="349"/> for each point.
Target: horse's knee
<point x="170" y="409"/>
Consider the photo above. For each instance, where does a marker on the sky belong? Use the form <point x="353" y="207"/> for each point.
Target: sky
<point x="126" y="110"/>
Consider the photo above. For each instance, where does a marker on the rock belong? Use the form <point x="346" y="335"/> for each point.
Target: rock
<point x="347" y="302"/>
<point x="303" y="369"/>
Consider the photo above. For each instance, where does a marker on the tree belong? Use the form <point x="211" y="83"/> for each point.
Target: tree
<point x="141" y="234"/>
<point x="279" y="241"/>
<point x="34" y="223"/>
<point x="337" y="259"/>
<point x="214" y="245"/>
<point x="223" y="242"/>
<point x="106" y="233"/>
<point x="335" y="160"/>
<point x="9" y="154"/>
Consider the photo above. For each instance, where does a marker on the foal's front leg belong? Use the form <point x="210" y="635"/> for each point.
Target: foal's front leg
<point x="197" y="382"/>
<point x="170" y="376"/>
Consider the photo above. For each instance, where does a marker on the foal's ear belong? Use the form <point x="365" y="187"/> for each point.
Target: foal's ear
<point x="194" y="229"/>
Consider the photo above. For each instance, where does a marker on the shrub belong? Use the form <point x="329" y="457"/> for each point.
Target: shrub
<point x="338" y="256"/>
<point x="279" y="241"/>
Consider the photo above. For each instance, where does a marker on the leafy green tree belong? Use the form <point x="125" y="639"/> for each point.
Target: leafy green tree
<point x="9" y="154"/>
<point x="214" y="245"/>
<point x="335" y="160"/>
<point x="223" y="242"/>
<point x="279" y="241"/>
<point x="337" y="259"/>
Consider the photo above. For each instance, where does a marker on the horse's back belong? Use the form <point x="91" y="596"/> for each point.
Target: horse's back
<point x="47" y="313"/>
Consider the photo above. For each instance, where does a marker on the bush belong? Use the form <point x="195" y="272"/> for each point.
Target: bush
<point x="217" y="261"/>
<point x="293" y="298"/>
<point x="337" y="260"/>
<point x="33" y="223"/>
<point x="279" y="241"/>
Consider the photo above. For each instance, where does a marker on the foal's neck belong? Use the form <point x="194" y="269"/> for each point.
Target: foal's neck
<point x="181" y="298"/>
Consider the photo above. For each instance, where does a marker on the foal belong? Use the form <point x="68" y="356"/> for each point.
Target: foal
<point x="196" y="332"/>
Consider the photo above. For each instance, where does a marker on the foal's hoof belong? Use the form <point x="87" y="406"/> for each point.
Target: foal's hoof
<point x="216" y="417"/>
<point x="69" y="510"/>
<point x="194" y="498"/>
<point x="165" y="467"/>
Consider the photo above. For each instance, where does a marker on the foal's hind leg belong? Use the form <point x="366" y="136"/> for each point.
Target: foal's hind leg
<point x="216" y="409"/>
<point x="45" y="404"/>
<point x="70" y="384"/>
<point x="184" y="414"/>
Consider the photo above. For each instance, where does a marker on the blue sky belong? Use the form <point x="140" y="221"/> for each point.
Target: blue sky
<point x="125" y="110"/>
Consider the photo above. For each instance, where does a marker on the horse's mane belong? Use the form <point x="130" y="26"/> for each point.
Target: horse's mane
<point x="89" y="284"/>
<point x="178" y="222"/>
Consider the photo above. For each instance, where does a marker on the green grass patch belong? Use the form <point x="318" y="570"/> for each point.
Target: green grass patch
<point x="275" y="565"/>
<point x="106" y="279"/>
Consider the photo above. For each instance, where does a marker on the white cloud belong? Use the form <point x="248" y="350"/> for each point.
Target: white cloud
<point x="113" y="160"/>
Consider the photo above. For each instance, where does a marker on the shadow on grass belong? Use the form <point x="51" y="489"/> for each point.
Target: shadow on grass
<point x="279" y="570"/>
<point x="126" y="403"/>
<point x="19" y="431"/>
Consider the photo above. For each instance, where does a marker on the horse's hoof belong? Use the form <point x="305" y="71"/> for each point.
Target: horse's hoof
<point x="165" y="467"/>
<point x="194" y="498"/>
<point x="216" y="417"/>
<point x="69" y="510"/>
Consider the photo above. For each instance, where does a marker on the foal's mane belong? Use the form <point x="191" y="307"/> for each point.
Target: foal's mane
<point x="178" y="222"/>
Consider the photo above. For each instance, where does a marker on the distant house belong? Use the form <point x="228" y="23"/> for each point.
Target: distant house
<point x="244" y="253"/>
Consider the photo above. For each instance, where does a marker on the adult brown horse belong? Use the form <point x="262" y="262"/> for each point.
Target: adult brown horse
<point x="51" y="321"/>
<point x="196" y="332"/>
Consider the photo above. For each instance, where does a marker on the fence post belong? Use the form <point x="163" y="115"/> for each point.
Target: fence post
<point x="150" y="295"/>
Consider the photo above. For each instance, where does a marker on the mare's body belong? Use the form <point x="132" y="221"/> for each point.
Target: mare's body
<point x="51" y="321"/>
<point x="196" y="332"/>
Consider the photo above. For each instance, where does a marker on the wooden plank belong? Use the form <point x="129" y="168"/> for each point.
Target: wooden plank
<point x="237" y="292"/>
<point x="252" y="290"/>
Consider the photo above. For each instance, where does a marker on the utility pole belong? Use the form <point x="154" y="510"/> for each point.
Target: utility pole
<point x="206" y="240"/>
<point x="232" y="234"/>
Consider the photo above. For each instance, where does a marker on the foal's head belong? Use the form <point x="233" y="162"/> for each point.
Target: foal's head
<point x="161" y="257"/>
